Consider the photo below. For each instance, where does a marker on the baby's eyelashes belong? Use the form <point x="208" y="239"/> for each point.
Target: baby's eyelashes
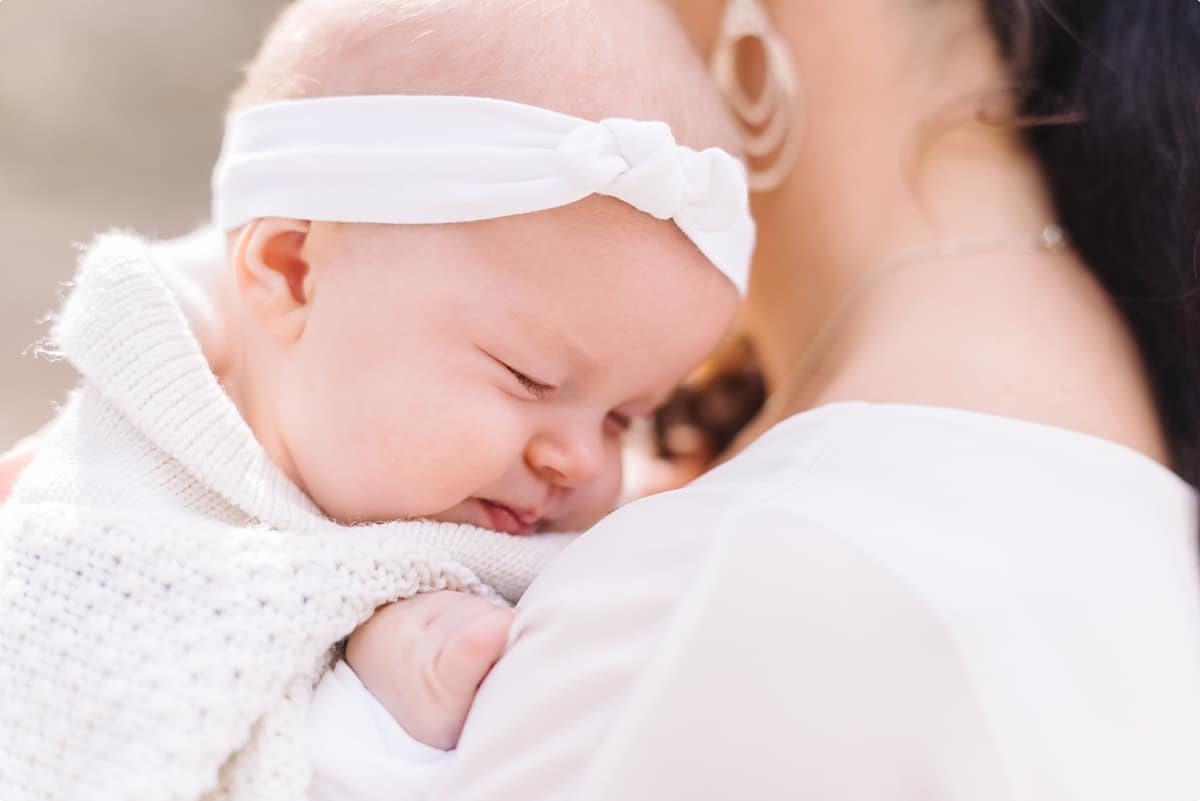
<point x="537" y="389"/>
<point x="616" y="423"/>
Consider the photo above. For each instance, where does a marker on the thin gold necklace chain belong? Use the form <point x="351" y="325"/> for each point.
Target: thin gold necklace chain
<point x="1050" y="238"/>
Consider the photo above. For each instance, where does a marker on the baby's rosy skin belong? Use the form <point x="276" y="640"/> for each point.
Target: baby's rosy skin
<point x="424" y="659"/>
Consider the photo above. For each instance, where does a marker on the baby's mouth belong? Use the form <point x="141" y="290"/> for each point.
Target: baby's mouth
<point x="504" y="519"/>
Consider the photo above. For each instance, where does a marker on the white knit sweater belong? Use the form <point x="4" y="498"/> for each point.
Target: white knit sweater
<point x="168" y="599"/>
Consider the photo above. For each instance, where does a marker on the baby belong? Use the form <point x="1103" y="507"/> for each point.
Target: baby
<point x="447" y="291"/>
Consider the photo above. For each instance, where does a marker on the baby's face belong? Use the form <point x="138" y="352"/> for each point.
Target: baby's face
<point x="485" y="373"/>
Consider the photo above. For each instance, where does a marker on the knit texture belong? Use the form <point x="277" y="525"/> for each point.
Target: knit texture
<point x="169" y="599"/>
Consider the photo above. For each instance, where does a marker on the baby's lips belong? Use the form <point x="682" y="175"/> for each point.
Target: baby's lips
<point x="505" y="519"/>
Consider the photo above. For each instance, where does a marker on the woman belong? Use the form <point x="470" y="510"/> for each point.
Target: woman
<point x="981" y="584"/>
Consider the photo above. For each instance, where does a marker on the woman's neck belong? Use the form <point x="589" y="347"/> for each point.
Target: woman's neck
<point x="892" y="158"/>
<point x="890" y="167"/>
<point x="966" y="191"/>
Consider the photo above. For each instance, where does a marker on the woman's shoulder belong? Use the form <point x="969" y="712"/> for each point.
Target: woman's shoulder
<point x="963" y="521"/>
<point x="911" y="473"/>
<point x="987" y="577"/>
<point x="936" y="494"/>
<point x="867" y="442"/>
<point x="759" y="508"/>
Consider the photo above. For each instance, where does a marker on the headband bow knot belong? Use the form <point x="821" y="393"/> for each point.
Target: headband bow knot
<point x="641" y="163"/>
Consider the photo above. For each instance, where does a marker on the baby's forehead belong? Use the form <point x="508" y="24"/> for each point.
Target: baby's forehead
<point x="594" y="289"/>
<point x="596" y="227"/>
<point x="599" y="256"/>
<point x="553" y="268"/>
<point x="596" y="239"/>
<point x="596" y="219"/>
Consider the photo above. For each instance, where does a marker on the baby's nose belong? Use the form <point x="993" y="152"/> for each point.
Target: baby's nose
<point x="568" y="459"/>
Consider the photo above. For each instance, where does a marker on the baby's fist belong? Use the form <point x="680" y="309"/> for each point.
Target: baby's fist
<point x="423" y="659"/>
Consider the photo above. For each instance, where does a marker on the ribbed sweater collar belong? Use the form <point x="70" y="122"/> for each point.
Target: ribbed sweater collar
<point x="123" y="330"/>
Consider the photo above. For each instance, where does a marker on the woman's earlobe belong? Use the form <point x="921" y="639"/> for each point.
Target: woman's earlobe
<point x="272" y="272"/>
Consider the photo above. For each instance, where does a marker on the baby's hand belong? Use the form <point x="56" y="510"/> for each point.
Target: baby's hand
<point x="424" y="658"/>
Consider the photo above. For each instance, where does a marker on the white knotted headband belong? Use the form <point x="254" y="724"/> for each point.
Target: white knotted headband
<point x="413" y="159"/>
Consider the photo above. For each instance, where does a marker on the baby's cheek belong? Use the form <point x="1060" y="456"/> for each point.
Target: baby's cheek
<point x="360" y="457"/>
<point x="382" y="444"/>
<point x="436" y="455"/>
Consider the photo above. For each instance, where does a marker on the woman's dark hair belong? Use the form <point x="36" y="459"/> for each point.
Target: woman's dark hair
<point x="1111" y="93"/>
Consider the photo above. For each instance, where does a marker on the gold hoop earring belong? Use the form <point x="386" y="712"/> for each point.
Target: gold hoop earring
<point x="769" y="124"/>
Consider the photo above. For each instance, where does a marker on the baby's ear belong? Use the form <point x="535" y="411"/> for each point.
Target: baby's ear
<point x="272" y="273"/>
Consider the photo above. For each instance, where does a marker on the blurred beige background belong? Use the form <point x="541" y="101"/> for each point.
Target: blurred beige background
<point x="110" y="116"/>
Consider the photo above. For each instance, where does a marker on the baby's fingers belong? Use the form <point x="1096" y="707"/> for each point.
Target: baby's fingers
<point x="424" y="658"/>
<point x="468" y="644"/>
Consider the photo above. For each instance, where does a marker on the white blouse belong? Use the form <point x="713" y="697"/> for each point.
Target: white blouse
<point x="872" y="603"/>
